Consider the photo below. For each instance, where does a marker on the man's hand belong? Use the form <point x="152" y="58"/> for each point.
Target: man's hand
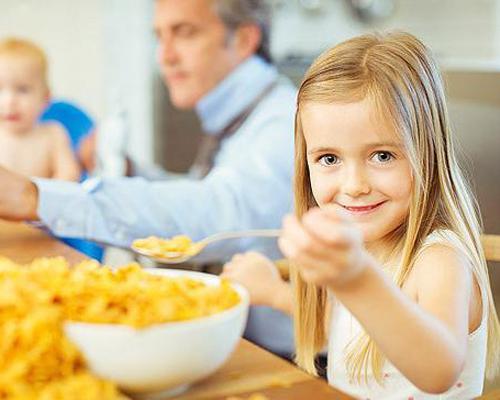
<point x="18" y="197"/>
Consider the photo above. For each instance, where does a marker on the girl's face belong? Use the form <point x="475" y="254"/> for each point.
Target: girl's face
<point x="358" y="164"/>
<point x="23" y="94"/>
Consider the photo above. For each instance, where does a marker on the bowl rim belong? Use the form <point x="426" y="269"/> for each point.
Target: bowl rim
<point x="243" y="304"/>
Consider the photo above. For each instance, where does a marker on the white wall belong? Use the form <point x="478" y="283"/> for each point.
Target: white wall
<point x="98" y="50"/>
<point x="128" y="69"/>
<point x="454" y="29"/>
<point x="71" y="34"/>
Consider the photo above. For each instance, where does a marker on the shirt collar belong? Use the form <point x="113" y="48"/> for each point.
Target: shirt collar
<point x="230" y="97"/>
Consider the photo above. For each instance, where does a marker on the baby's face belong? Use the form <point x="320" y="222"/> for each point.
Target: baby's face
<point x="23" y="94"/>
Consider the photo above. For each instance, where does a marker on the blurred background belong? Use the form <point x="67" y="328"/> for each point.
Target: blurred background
<point x="101" y="55"/>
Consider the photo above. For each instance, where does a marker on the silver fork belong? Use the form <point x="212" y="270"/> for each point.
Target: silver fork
<point x="174" y="257"/>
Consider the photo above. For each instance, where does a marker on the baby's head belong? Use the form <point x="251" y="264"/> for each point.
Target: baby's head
<point x="24" y="88"/>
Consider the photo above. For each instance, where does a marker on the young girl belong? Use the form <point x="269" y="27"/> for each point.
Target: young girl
<point x="386" y="239"/>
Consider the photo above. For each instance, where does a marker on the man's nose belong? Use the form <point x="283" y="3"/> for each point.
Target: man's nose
<point x="166" y="51"/>
<point x="356" y="182"/>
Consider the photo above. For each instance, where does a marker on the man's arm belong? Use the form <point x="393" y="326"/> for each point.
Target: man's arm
<point x="18" y="197"/>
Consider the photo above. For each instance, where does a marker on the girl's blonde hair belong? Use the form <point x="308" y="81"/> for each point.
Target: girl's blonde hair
<point x="22" y="48"/>
<point x="400" y="77"/>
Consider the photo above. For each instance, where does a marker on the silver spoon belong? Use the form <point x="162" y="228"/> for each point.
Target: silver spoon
<point x="174" y="257"/>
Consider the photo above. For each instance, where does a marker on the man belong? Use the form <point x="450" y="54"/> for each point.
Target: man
<point x="214" y="57"/>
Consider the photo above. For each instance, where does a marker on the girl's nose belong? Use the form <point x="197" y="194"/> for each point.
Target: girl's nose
<point x="356" y="182"/>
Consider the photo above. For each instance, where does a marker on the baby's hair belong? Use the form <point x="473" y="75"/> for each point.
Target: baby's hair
<point x="398" y="75"/>
<point x="17" y="47"/>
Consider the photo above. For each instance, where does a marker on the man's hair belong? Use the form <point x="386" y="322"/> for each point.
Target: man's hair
<point x="234" y="13"/>
<point x="22" y="48"/>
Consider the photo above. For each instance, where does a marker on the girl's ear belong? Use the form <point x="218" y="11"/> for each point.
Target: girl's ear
<point x="247" y="40"/>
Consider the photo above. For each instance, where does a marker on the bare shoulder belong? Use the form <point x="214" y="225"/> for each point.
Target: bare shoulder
<point x="441" y="261"/>
<point x="55" y="134"/>
<point x="55" y="130"/>
<point x="444" y="274"/>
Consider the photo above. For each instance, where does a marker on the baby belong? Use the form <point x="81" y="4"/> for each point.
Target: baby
<point x="27" y="146"/>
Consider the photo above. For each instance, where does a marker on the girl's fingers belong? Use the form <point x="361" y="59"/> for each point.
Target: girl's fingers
<point x="287" y="247"/>
<point x="311" y="269"/>
<point x="301" y="258"/>
<point x="336" y="213"/>
<point x="321" y="245"/>
<point x="302" y="240"/>
<point x="329" y="232"/>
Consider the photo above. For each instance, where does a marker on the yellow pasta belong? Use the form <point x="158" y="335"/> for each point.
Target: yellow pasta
<point x="159" y="247"/>
<point x="38" y="362"/>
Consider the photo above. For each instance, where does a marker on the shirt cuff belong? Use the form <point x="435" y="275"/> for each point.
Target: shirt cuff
<point x="61" y="206"/>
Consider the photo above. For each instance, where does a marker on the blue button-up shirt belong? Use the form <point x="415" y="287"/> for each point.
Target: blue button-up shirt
<point x="250" y="185"/>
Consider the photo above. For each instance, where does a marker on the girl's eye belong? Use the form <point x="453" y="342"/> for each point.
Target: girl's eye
<point x="383" y="157"/>
<point x="328" y="160"/>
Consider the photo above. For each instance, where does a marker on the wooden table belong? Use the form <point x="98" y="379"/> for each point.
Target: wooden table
<point x="250" y="370"/>
<point x="22" y="243"/>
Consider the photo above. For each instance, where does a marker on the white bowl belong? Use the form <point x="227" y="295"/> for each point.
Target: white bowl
<point x="165" y="358"/>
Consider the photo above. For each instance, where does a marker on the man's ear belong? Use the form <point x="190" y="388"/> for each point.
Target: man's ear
<point x="247" y="40"/>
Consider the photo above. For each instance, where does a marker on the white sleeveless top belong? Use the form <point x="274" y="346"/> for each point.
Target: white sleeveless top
<point x="345" y="328"/>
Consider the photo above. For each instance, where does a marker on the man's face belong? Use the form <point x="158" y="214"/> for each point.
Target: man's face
<point x="195" y="51"/>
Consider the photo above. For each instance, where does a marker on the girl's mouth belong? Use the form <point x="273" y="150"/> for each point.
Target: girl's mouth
<point x="363" y="209"/>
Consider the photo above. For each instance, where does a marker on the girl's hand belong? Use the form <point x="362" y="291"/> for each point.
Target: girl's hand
<point x="259" y="275"/>
<point x="327" y="248"/>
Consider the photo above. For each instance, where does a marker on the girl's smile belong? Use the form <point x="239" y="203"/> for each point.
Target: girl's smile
<point x="362" y="210"/>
